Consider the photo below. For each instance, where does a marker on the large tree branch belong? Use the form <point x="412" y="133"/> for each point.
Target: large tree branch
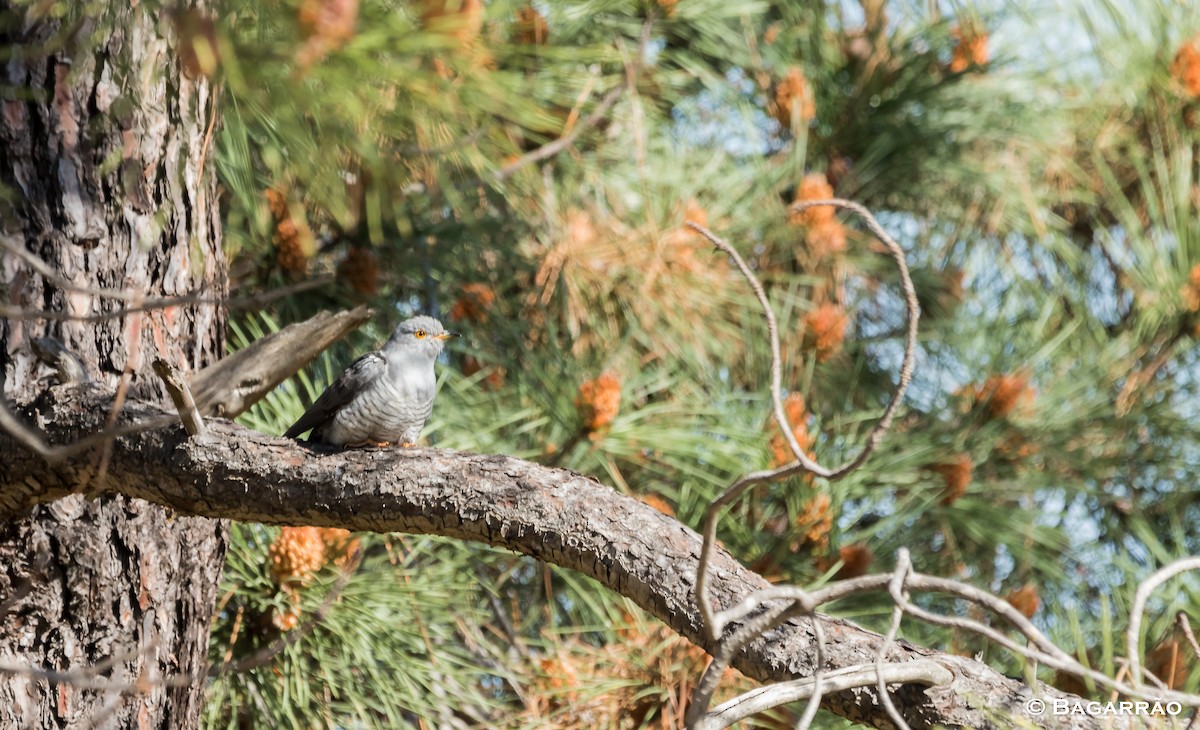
<point x="551" y="514"/>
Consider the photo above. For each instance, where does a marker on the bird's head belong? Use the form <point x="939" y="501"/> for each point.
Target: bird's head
<point x="420" y="335"/>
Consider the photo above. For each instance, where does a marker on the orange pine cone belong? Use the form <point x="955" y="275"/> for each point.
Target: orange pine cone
<point x="814" y="186"/>
<point x="474" y="303"/>
<point x="825" y="330"/>
<point x="276" y="203"/>
<point x="771" y="34"/>
<point x="957" y="476"/>
<point x="461" y="19"/>
<point x="326" y="26"/>
<point x="294" y="243"/>
<point x="970" y="49"/>
<point x="531" y="27"/>
<point x="793" y="100"/>
<point x="1190" y="292"/>
<point x="296" y="554"/>
<point x="290" y="253"/>
<point x="341" y="546"/>
<point x="856" y="561"/>
<point x="495" y="378"/>
<point x="815" y="523"/>
<point x="1025" y="599"/>
<point x="781" y="450"/>
<point x="598" y="402"/>
<point x="333" y="21"/>
<point x="826" y="239"/>
<point x="1186" y="67"/>
<point x="795" y="408"/>
<point x="1002" y="394"/>
<point x="797" y="414"/>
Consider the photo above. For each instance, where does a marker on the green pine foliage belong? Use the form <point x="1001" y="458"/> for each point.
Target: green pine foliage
<point x="1047" y="202"/>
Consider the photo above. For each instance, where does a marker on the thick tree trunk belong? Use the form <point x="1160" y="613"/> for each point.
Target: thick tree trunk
<point x="102" y="140"/>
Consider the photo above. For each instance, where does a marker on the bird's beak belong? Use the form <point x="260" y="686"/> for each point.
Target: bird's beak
<point x="447" y="335"/>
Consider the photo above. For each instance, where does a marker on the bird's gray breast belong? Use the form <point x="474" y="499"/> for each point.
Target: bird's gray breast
<point x="393" y="407"/>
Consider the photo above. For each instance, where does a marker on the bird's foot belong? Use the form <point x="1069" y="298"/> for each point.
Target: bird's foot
<point x="368" y="442"/>
<point x="407" y="444"/>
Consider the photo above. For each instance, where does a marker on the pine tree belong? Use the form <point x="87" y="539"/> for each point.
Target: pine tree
<point x="527" y="172"/>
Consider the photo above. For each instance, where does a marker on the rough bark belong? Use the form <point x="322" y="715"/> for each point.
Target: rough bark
<point x="101" y="146"/>
<point x="555" y="515"/>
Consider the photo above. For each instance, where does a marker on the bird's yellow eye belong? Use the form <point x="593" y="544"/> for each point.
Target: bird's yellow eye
<point x="419" y="334"/>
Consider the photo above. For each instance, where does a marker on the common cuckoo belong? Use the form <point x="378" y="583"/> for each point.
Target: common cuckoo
<point x="384" y="396"/>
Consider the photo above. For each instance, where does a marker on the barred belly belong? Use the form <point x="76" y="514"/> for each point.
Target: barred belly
<point x="383" y="413"/>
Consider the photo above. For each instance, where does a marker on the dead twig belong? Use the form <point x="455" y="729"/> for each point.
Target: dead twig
<point x="803" y="603"/>
<point x="1138" y="610"/>
<point x="896" y="589"/>
<point x="787" y="602"/>
<point x="181" y="396"/>
<point x="803" y="462"/>
<point x="1181" y="620"/>
<point x="744" y="706"/>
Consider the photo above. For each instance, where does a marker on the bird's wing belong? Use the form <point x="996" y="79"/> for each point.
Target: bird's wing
<point x="353" y="380"/>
